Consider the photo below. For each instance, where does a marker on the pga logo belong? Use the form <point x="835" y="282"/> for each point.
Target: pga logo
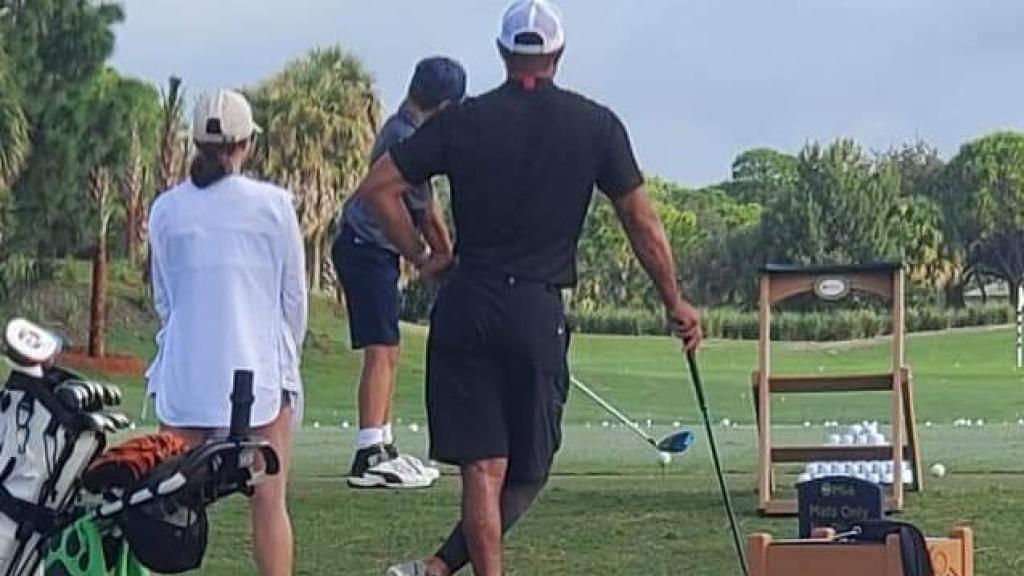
<point x="831" y="288"/>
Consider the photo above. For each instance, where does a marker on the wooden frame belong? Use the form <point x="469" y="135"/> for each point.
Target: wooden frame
<point x="820" y="556"/>
<point x="779" y="283"/>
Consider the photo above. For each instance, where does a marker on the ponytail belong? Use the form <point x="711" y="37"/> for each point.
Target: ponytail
<point x="209" y="165"/>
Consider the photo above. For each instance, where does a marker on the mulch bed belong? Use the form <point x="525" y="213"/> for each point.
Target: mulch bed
<point x="110" y="365"/>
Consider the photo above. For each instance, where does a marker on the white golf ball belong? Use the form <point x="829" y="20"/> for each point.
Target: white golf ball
<point x="344" y="425"/>
<point x="605" y="424"/>
<point x="979" y="422"/>
<point x="938" y="470"/>
<point x="726" y="422"/>
<point x="131" y="426"/>
<point x="316" y="424"/>
<point x="807" y="424"/>
<point x="414" y="427"/>
<point x="1020" y="422"/>
<point x="676" y="424"/>
<point x="928" y="424"/>
<point x="664" y="458"/>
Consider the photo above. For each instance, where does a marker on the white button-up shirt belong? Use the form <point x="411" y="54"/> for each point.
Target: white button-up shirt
<point x="229" y="286"/>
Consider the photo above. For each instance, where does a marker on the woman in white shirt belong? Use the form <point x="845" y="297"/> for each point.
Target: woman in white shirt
<point x="229" y="287"/>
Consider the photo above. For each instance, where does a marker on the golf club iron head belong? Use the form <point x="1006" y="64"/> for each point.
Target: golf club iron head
<point x="72" y="397"/>
<point x="121" y="421"/>
<point x="677" y="443"/>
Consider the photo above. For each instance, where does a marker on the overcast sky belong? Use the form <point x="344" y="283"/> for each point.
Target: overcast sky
<point x="696" y="81"/>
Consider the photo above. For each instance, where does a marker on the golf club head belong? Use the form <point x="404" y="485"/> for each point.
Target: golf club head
<point x="100" y="422"/>
<point x="71" y="397"/>
<point x="28" y="345"/>
<point x="112" y="395"/>
<point x="677" y="443"/>
<point x="121" y="421"/>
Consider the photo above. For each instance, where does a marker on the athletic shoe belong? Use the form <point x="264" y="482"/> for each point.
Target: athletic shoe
<point x="427" y="471"/>
<point x="364" y="460"/>
<point x="417" y="568"/>
<point x="374" y="468"/>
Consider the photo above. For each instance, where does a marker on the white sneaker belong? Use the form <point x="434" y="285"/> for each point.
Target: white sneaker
<point x="398" y="474"/>
<point x="427" y="471"/>
<point x="417" y="568"/>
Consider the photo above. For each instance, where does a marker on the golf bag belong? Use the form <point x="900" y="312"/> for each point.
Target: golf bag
<point x="148" y="499"/>
<point x="45" y="445"/>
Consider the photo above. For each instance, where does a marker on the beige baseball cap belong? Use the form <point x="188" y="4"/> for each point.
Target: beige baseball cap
<point x="223" y="117"/>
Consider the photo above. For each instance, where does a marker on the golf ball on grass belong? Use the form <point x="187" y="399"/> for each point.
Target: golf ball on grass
<point x="316" y="424"/>
<point x="414" y="427"/>
<point x="938" y="470"/>
<point x="664" y="458"/>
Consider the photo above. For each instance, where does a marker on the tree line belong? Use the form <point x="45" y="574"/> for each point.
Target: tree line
<point x="84" y="150"/>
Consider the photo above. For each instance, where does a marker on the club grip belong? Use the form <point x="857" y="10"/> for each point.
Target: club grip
<point x="241" y="404"/>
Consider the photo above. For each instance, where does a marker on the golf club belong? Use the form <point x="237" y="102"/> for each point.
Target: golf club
<point x="673" y="443"/>
<point x="699" y="388"/>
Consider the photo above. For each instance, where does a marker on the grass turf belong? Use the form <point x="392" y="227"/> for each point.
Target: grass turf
<point x="609" y="509"/>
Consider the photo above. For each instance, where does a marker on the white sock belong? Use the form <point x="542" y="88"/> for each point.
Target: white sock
<point x="389" y="438"/>
<point x="369" y="437"/>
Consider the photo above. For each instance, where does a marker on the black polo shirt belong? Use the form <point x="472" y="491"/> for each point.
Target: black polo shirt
<point x="522" y="164"/>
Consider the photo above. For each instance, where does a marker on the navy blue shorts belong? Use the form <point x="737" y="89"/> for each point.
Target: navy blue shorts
<point x="369" y="277"/>
<point x="496" y="373"/>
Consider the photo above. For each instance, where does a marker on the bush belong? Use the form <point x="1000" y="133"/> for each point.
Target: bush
<point x="19" y="273"/>
<point x="817" y="326"/>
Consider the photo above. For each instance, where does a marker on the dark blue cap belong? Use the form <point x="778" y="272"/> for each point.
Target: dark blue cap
<point x="436" y="80"/>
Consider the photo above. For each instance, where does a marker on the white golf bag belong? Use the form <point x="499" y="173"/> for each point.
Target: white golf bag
<point x="51" y="428"/>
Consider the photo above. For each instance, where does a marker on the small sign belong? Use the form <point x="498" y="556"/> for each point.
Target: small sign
<point x="837" y="502"/>
<point x="831" y="288"/>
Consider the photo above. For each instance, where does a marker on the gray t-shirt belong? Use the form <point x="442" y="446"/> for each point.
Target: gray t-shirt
<point x="357" y="215"/>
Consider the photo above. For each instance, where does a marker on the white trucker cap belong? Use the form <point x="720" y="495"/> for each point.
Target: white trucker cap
<point x="223" y="117"/>
<point x="532" y="27"/>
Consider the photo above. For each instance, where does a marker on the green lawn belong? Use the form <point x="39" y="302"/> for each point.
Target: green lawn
<point x="609" y="509"/>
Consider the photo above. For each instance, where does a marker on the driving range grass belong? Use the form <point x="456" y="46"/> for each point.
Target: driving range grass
<point x="609" y="508"/>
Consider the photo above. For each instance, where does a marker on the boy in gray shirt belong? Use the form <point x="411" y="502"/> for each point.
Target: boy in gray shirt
<point x="368" y="266"/>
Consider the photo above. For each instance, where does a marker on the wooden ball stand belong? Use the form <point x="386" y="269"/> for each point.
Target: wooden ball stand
<point x="821" y="556"/>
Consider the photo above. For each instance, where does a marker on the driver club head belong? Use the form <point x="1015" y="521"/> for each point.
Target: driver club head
<point x="677" y="443"/>
<point x="27" y="344"/>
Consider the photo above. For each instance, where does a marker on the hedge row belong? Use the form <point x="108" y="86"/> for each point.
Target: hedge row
<point x="809" y="326"/>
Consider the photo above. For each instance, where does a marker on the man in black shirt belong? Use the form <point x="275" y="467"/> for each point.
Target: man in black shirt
<point x="522" y="161"/>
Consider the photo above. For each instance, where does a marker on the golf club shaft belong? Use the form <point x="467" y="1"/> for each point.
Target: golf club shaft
<point x="613" y="411"/>
<point x="726" y="500"/>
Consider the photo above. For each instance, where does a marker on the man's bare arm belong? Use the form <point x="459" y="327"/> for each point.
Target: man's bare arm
<point x="435" y="232"/>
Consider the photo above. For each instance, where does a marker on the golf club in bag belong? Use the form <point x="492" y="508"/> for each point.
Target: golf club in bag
<point x="675" y="443"/>
<point x="46" y="442"/>
<point x="727" y="502"/>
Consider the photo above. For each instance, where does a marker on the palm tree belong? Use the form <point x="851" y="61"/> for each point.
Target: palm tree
<point x="319" y="116"/>
<point x="171" y="107"/>
<point x="14" y="138"/>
